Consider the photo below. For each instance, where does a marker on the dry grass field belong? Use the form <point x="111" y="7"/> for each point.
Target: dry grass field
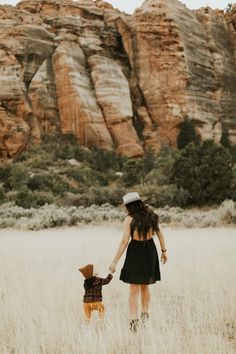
<point x="192" y="310"/>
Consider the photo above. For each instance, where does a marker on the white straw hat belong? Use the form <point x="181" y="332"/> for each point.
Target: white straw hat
<point x="131" y="197"/>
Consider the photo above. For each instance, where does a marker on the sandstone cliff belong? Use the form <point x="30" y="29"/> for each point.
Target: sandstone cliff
<point x="121" y="82"/>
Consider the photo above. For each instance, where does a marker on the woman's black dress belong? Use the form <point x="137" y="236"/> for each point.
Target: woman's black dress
<point x="141" y="264"/>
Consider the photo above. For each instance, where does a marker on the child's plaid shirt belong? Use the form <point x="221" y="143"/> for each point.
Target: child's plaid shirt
<point x="93" y="288"/>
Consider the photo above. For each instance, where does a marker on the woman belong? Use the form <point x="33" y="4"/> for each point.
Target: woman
<point x="141" y="266"/>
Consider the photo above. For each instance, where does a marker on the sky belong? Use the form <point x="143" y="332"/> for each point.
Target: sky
<point x="130" y="5"/>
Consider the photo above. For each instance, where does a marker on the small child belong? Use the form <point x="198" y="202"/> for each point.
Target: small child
<point x="93" y="291"/>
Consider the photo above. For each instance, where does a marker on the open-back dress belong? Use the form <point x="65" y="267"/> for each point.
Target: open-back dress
<point x="141" y="264"/>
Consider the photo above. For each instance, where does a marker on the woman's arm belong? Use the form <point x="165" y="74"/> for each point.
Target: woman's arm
<point x="163" y="246"/>
<point x="123" y="243"/>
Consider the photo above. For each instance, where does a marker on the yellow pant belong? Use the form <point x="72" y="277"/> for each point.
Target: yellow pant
<point x="89" y="307"/>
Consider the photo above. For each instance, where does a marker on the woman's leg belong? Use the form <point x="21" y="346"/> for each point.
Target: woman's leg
<point x="133" y="300"/>
<point x="145" y="298"/>
<point x="133" y="306"/>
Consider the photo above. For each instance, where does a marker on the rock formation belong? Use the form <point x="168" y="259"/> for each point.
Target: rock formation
<point x="120" y="82"/>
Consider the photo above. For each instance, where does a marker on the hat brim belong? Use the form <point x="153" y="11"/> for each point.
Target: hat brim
<point x="143" y="199"/>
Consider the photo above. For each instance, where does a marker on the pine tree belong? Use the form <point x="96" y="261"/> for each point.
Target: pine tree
<point x="205" y="171"/>
<point x="229" y="7"/>
<point x="187" y="135"/>
<point x="224" y="141"/>
<point x="133" y="172"/>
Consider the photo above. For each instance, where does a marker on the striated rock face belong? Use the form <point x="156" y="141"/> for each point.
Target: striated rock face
<point x="79" y="111"/>
<point x="120" y="82"/>
<point x="185" y="66"/>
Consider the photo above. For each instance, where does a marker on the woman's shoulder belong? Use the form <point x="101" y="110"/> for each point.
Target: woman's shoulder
<point x="128" y="219"/>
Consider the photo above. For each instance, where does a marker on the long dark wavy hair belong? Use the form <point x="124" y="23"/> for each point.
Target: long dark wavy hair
<point x="144" y="219"/>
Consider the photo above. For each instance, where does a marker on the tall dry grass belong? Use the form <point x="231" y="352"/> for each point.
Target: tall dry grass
<point x="192" y="309"/>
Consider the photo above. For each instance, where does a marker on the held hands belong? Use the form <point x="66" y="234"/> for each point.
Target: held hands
<point x="112" y="268"/>
<point x="163" y="257"/>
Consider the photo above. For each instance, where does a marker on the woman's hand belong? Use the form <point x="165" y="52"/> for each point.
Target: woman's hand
<point x="112" y="268"/>
<point x="164" y="257"/>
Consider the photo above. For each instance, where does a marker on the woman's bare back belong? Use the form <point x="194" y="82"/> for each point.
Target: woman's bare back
<point x="137" y="238"/>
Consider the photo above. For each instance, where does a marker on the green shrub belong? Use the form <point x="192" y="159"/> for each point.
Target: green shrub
<point x="161" y="172"/>
<point x="28" y="199"/>
<point x="42" y="161"/>
<point x="233" y="184"/>
<point x="82" y="154"/>
<point x="24" y="156"/>
<point x="103" y="179"/>
<point x="68" y="139"/>
<point x="232" y="151"/>
<point x="59" y="146"/>
<point x="148" y="161"/>
<point x="187" y="135"/>
<point x="64" y="152"/>
<point x="41" y="182"/>
<point x="111" y="195"/>
<point x="78" y="174"/>
<point x="25" y="199"/>
<point x="205" y="172"/>
<point x="150" y="169"/>
<point x="44" y="175"/>
<point x="65" y="147"/>
<point x="42" y="198"/>
<point x="156" y="177"/>
<point x="18" y="176"/>
<point x="2" y="195"/>
<point x="48" y="182"/>
<point x="165" y="195"/>
<point x="103" y="160"/>
<point x="88" y="177"/>
<point x="5" y="172"/>
<point x="224" y="141"/>
<point x="59" y="186"/>
<point x="181" y="197"/>
<point x="133" y="172"/>
<point x="83" y="199"/>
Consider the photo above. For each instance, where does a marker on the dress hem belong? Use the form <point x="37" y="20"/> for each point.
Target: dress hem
<point x="138" y="283"/>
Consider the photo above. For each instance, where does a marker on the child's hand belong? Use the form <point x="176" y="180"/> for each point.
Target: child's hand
<point x="112" y="268"/>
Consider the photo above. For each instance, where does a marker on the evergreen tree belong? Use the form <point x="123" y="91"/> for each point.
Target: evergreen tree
<point x="187" y="135"/>
<point x="205" y="172"/>
<point x="229" y="7"/>
<point x="224" y="141"/>
<point x="133" y="172"/>
<point x="148" y="161"/>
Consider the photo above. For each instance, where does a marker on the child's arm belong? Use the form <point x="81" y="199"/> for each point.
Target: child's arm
<point x="103" y="281"/>
<point x="107" y="279"/>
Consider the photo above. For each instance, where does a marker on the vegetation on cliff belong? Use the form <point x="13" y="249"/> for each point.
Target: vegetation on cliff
<point x="205" y="171"/>
<point x="61" y="172"/>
